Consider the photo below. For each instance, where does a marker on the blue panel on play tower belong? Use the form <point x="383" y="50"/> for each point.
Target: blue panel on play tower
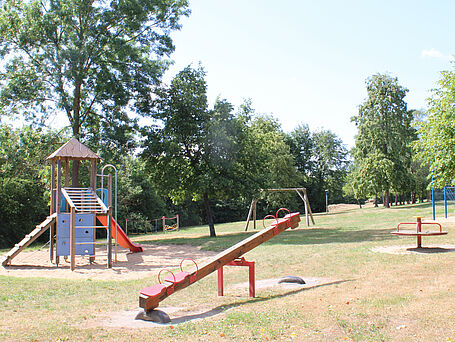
<point x="85" y="232"/>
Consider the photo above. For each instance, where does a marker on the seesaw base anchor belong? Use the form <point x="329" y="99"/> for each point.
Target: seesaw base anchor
<point x="154" y="315"/>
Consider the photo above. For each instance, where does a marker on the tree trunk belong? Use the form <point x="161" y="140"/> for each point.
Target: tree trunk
<point x="76" y="130"/>
<point x="376" y="201"/>
<point x="209" y="215"/>
<point x="359" y="203"/>
<point x="386" y="199"/>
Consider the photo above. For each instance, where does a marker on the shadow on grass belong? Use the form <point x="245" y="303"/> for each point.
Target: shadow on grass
<point x="222" y="308"/>
<point x="312" y="236"/>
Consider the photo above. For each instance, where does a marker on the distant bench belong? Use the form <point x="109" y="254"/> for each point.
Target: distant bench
<point x="418" y="231"/>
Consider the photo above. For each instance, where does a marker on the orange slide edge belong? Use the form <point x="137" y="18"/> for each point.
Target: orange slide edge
<point x="122" y="239"/>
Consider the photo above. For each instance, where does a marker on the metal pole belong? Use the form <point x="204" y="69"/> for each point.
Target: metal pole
<point x="432" y="197"/>
<point x="326" y="201"/>
<point x="445" y="201"/>
<point x="419" y="229"/>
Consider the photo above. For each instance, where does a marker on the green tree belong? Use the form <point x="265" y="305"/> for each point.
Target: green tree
<point x="436" y="135"/>
<point x="24" y="197"/>
<point x="321" y="160"/>
<point x="189" y="150"/>
<point x="330" y="163"/>
<point x="382" y="147"/>
<point x="301" y="145"/>
<point x="93" y="62"/>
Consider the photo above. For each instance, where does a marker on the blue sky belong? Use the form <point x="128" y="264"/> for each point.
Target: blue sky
<point x="307" y="61"/>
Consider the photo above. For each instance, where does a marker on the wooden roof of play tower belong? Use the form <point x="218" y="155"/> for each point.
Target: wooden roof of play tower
<point x="74" y="150"/>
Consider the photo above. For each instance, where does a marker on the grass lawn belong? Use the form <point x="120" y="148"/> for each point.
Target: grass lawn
<point x="373" y="297"/>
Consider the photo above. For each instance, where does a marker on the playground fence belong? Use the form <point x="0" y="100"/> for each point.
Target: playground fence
<point x="152" y="226"/>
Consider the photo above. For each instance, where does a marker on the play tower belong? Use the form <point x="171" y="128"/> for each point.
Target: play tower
<point x="75" y="211"/>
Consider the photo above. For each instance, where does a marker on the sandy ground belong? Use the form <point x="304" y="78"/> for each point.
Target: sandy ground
<point x="178" y="315"/>
<point x="412" y="249"/>
<point x="128" y="265"/>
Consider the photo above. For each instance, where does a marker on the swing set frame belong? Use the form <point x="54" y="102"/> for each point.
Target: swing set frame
<point x="300" y="191"/>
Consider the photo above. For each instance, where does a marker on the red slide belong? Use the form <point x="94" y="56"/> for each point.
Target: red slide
<point x="122" y="238"/>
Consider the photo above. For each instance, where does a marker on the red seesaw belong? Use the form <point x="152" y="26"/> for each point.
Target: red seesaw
<point x="418" y="232"/>
<point x="150" y="297"/>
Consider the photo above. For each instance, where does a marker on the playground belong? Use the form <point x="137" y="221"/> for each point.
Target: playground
<point x="370" y="274"/>
<point x="363" y="283"/>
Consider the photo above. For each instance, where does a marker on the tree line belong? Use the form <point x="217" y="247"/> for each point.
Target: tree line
<point x="100" y="66"/>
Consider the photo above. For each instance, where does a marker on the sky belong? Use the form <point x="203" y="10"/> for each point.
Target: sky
<point x="306" y="62"/>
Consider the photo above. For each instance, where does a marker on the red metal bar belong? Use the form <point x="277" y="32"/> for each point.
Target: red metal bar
<point x="419" y="230"/>
<point x="220" y="281"/>
<point x="238" y="262"/>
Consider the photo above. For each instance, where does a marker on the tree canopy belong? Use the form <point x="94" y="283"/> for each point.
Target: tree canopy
<point x="93" y="62"/>
<point x="436" y="142"/>
<point x="382" y="151"/>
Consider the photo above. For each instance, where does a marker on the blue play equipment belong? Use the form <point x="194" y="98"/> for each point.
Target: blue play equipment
<point x="448" y="195"/>
<point x="85" y="234"/>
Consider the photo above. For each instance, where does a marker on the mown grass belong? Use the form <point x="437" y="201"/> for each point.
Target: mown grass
<point x="372" y="296"/>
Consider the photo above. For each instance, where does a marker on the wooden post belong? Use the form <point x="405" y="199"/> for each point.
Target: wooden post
<point x="51" y="211"/>
<point x="51" y="242"/>
<point x="309" y="207"/>
<point x="67" y="173"/>
<point x="93" y="186"/>
<point x="93" y="174"/>
<point x="249" y="214"/>
<point x="254" y="213"/>
<point x="73" y="238"/>
<point x="304" y="198"/>
<point x="59" y="185"/>
<point x="67" y="179"/>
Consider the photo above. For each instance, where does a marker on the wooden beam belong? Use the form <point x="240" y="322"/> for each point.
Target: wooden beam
<point x="73" y="238"/>
<point x="289" y="221"/>
<point x="67" y="173"/>
<point x="254" y="213"/>
<point x="93" y="174"/>
<point x="249" y="214"/>
<point x="52" y="187"/>
<point x="59" y="185"/>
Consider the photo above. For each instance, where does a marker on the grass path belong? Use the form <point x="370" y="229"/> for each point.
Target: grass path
<point x="374" y="297"/>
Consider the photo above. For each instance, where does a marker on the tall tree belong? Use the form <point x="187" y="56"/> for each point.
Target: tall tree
<point x="321" y="160"/>
<point x="190" y="148"/>
<point x="93" y="62"/>
<point x="330" y="164"/>
<point x="23" y="180"/>
<point x="382" y="145"/>
<point x="436" y="135"/>
<point x="301" y="145"/>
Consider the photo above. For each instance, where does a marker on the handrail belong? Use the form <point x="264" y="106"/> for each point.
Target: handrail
<point x="68" y="198"/>
<point x="422" y="223"/>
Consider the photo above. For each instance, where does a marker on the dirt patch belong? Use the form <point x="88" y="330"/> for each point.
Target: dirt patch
<point x="128" y="265"/>
<point x="336" y="208"/>
<point x="178" y="315"/>
<point x="411" y="249"/>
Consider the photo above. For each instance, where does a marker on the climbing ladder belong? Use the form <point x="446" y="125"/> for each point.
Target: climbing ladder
<point x="28" y="239"/>
<point x="85" y="200"/>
